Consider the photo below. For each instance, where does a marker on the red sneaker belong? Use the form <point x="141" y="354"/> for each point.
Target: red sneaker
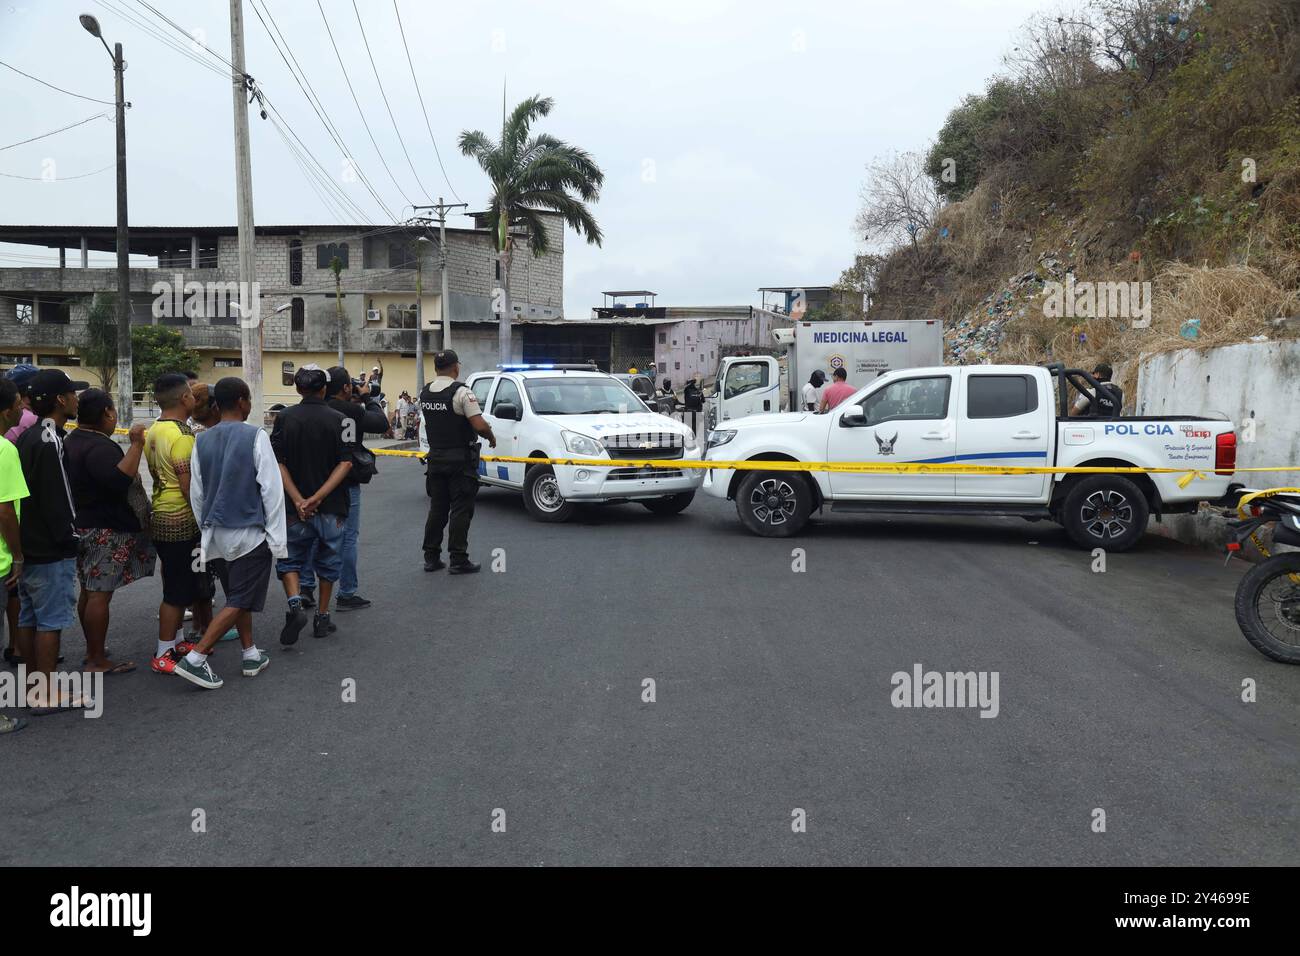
<point x="184" y="647"/>
<point x="166" y="664"/>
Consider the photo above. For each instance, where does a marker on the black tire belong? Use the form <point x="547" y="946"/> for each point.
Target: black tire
<point x="542" y="497"/>
<point x="1280" y="611"/>
<point x="774" y="504"/>
<point x="669" y="504"/>
<point x="1105" y="511"/>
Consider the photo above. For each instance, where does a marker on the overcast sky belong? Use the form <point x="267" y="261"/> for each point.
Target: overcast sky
<point x="733" y="135"/>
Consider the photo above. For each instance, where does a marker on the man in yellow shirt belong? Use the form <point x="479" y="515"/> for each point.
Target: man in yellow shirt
<point x="175" y="532"/>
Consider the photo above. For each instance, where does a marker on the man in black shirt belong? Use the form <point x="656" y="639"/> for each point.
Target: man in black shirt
<point x="308" y="441"/>
<point x="47" y="590"/>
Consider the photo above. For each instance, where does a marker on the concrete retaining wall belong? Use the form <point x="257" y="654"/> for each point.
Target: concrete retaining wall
<point x="1257" y="386"/>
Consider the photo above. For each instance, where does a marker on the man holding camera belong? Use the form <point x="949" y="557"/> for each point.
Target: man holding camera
<point x="358" y="419"/>
<point x="452" y="423"/>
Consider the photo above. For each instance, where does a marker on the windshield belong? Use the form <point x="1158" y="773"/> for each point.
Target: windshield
<point x="581" y="396"/>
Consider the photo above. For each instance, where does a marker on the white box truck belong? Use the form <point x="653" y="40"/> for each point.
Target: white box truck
<point x="757" y="384"/>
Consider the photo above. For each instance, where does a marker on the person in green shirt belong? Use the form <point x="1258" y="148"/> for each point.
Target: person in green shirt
<point x="13" y="489"/>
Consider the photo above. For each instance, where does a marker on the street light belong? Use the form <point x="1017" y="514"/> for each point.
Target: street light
<point x="125" y="392"/>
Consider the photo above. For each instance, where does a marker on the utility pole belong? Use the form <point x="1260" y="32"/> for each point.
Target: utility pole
<point x="250" y="323"/>
<point x="125" y="386"/>
<point x="125" y="394"/>
<point x="443" y="208"/>
<point x="419" y="314"/>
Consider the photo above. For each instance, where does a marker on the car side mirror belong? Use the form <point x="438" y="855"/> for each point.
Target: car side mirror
<point x="853" y="418"/>
<point x="506" y="411"/>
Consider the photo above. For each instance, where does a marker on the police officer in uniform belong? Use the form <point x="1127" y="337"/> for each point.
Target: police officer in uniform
<point x="452" y="423"/>
<point x="1107" y="400"/>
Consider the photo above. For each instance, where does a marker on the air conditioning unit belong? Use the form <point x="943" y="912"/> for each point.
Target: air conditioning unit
<point x="373" y="315"/>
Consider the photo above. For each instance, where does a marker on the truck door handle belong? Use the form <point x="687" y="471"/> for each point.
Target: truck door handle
<point x="1025" y="436"/>
<point x="935" y="436"/>
<point x="767" y="405"/>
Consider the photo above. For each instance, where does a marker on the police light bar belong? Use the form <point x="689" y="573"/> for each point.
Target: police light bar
<point x="549" y="366"/>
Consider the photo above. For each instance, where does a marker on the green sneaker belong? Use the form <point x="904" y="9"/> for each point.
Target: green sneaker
<point x="231" y="635"/>
<point x="200" y="674"/>
<point x="251" y="668"/>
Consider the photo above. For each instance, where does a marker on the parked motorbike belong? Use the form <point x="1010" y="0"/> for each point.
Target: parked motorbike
<point x="1268" y="597"/>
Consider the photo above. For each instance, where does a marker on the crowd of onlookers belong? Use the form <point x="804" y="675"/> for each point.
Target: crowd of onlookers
<point x="228" y="503"/>
<point x="405" y="421"/>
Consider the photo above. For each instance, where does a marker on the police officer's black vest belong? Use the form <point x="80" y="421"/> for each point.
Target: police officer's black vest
<point x="1108" y="400"/>
<point x="442" y="426"/>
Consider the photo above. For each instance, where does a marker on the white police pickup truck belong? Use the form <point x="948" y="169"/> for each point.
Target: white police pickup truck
<point x="984" y="415"/>
<point x="576" y="411"/>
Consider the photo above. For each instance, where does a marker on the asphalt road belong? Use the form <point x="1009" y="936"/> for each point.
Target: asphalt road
<point x="522" y="691"/>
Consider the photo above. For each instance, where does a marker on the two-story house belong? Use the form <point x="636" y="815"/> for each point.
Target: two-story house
<point x="192" y="282"/>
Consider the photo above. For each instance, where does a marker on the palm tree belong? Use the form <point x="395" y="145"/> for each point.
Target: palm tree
<point x="530" y="176"/>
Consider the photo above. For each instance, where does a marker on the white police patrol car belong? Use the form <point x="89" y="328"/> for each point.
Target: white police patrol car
<point x="576" y="411"/>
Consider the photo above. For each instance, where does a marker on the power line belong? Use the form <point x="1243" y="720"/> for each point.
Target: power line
<point x="59" y="130"/>
<point x="360" y="111"/>
<point x="314" y="101"/>
<point x="279" y="118"/>
<point x="146" y="27"/>
<point x="317" y="181"/>
<point x="53" y="87"/>
<point x="309" y="175"/>
<point x="420" y="96"/>
<point x="185" y="33"/>
<point x="401" y="142"/>
<point x="58" y="179"/>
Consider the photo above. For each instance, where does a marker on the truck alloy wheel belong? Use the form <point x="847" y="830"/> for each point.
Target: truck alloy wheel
<point x="1106" y="511"/>
<point x="775" y="505"/>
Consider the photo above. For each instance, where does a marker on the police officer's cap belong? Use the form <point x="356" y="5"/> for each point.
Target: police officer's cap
<point x="445" y="359"/>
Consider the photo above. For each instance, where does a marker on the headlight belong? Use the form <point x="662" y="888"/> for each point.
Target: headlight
<point x="582" y="445"/>
<point x="721" y="436"/>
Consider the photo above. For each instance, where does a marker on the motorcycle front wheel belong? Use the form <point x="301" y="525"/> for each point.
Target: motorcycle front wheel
<point x="1268" y="607"/>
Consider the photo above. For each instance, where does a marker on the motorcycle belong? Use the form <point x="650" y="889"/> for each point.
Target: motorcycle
<point x="1268" y="596"/>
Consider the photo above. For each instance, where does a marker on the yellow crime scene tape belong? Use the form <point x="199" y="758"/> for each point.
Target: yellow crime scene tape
<point x="846" y="467"/>
<point x="1243" y="510"/>
<point x="859" y="467"/>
